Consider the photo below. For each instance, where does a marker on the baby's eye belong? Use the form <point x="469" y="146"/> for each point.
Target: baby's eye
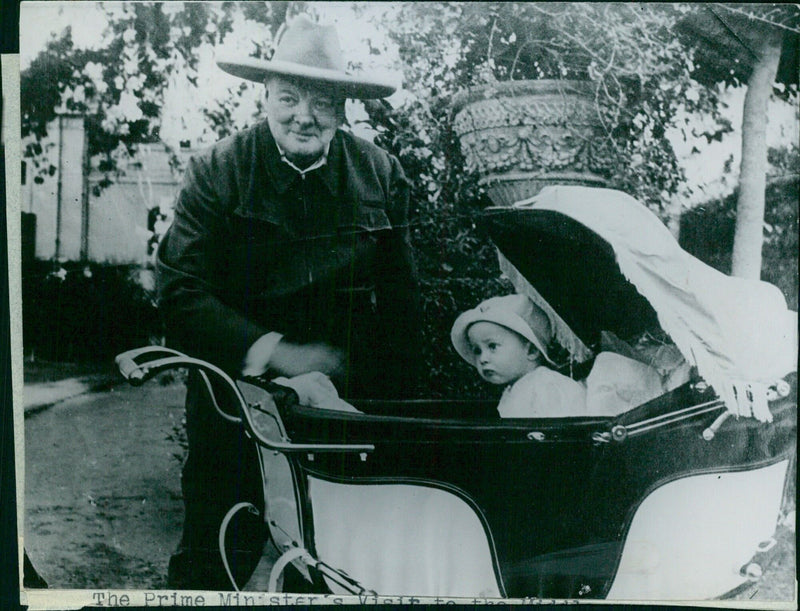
<point x="493" y="346"/>
<point x="476" y="351"/>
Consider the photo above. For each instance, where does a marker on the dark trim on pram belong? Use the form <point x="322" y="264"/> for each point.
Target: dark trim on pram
<point x="595" y="490"/>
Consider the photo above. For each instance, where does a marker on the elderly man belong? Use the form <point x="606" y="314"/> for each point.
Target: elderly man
<point x="289" y="253"/>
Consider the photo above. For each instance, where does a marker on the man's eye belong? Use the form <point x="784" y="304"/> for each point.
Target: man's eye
<point x="323" y="105"/>
<point x="287" y="100"/>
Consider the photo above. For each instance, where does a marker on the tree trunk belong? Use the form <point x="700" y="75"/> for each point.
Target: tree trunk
<point x="749" y="234"/>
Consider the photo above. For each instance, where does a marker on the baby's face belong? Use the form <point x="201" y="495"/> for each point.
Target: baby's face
<point x="501" y="355"/>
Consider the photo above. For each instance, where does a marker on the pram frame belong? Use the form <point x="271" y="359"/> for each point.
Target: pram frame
<point x="362" y="439"/>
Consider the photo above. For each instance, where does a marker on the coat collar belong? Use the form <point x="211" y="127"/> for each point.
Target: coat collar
<point x="283" y="176"/>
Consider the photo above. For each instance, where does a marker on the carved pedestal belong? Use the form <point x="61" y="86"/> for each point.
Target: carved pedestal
<point x="522" y="135"/>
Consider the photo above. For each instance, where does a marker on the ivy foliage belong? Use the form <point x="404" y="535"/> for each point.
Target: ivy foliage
<point x="639" y="71"/>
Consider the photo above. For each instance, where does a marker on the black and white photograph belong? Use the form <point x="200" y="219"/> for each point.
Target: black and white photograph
<point x="410" y="302"/>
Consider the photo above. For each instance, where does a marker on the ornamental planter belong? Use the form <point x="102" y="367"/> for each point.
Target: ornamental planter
<point x="520" y="136"/>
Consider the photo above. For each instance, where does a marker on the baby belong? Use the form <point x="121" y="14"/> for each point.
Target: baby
<point x="505" y="339"/>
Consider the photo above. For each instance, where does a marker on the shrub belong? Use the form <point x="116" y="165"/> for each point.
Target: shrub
<point x="707" y="232"/>
<point x="79" y="312"/>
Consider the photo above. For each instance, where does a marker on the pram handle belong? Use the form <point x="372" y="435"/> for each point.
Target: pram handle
<point x="141" y="364"/>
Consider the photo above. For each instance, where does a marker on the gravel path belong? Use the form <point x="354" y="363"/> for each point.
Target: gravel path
<point x="103" y="500"/>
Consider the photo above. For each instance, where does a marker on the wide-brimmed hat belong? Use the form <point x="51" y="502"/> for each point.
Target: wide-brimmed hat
<point x="310" y="51"/>
<point x="514" y="312"/>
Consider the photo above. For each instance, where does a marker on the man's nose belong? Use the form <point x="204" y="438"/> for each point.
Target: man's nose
<point x="302" y="113"/>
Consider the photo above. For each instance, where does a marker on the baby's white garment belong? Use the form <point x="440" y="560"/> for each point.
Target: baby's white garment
<point x="543" y="393"/>
<point x="617" y="384"/>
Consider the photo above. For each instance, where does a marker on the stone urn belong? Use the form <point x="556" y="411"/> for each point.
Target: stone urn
<point x="520" y="136"/>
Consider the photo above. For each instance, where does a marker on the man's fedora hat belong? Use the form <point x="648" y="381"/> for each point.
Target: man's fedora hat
<point x="310" y="51"/>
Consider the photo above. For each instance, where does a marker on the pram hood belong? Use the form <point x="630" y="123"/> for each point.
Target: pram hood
<point x="596" y="259"/>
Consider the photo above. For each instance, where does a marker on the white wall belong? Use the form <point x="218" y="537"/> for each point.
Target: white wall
<point x="116" y="228"/>
<point x="64" y="147"/>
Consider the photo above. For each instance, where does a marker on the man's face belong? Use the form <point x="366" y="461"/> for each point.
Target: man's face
<point x="303" y="118"/>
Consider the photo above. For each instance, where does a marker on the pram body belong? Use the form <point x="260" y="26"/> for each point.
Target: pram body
<point x="443" y="498"/>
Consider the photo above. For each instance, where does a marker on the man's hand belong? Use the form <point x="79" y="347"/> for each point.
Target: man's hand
<point x="294" y="359"/>
<point x="315" y="389"/>
<point x="288" y="359"/>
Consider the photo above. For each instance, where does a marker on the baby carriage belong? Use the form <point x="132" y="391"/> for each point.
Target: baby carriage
<point x="666" y="495"/>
